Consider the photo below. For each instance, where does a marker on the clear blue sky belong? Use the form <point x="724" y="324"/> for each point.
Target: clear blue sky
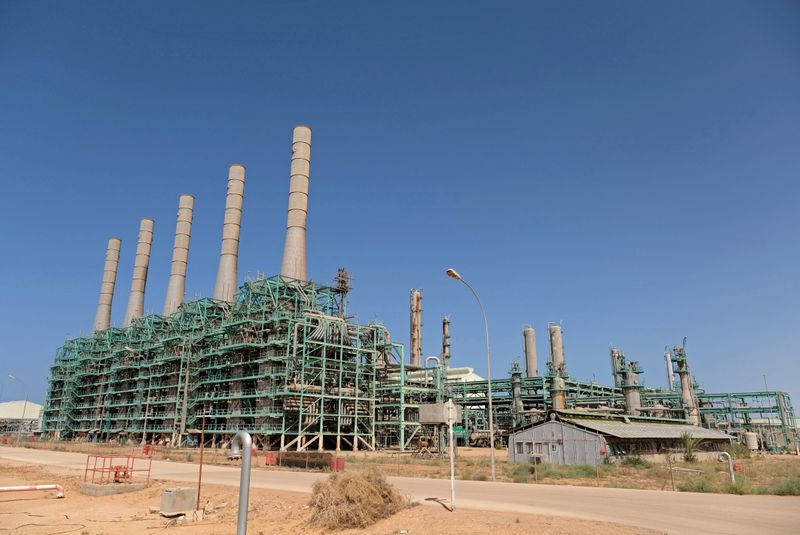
<point x="627" y="168"/>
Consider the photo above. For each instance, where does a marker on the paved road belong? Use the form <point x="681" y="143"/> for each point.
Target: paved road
<point x="671" y="512"/>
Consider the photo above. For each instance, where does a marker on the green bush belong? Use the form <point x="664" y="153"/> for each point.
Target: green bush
<point x="690" y="443"/>
<point x="519" y="473"/>
<point x="738" y="451"/>
<point x="557" y="471"/>
<point x="788" y="487"/>
<point x="741" y="487"/>
<point x="696" y="485"/>
<point x="635" y="461"/>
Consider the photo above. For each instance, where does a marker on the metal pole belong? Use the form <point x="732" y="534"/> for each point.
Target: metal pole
<point x="488" y="376"/>
<point x="200" y="473"/>
<point x="24" y="406"/>
<point x="242" y="439"/>
<point x="724" y="455"/>
<point x="452" y="468"/>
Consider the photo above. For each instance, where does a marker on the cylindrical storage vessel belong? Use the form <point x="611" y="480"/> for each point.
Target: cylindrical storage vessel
<point x="176" y="288"/>
<point x="416" y="327"/>
<point x="140" y="265"/>
<point x="227" y="273"/>
<point x="293" y="265"/>
<point x="529" y="341"/>
<point x="633" y="399"/>
<point x="446" y="342"/>
<point x="556" y="348"/>
<point x="751" y="441"/>
<point x="102" y="319"/>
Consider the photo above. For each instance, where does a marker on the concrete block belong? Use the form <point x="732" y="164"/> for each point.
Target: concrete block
<point x="178" y="500"/>
<point x="92" y="489"/>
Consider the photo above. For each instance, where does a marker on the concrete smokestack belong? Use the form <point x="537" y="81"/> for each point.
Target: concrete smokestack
<point x="556" y="348"/>
<point x="180" y="255"/>
<point x="416" y="327"/>
<point x="529" y="338"/>
<point x="294" y="249"/>
<point x="102" y="319"/>
<point x="140" y="264"/>
<point x="446" y="341"/>
<point x="227" y="276"/>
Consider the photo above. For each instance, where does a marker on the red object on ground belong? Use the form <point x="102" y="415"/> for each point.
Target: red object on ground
<point x="737" y="467"/>
<point x="271" y="458"/>
<point x="337" y="464"/>
<point x="114" y="468"/>
<point x="146" y="450"/>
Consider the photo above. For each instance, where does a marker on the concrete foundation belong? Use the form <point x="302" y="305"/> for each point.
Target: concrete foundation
<point x="178" y="500"/>
<point x="92" y="489"/>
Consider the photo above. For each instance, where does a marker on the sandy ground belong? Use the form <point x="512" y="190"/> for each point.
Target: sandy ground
<point x="39" y="513"/>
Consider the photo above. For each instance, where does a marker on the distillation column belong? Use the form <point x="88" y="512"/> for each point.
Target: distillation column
<point x="180" y="255"/>
<point x="102" y="319"/>
<point x="416" y="327"/>
<point x="140" y="264"/>
<point x="446" y="342"/>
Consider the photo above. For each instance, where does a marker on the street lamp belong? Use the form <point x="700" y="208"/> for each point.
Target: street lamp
<point x="24" y="406"/>
<point x="454" y="274"/>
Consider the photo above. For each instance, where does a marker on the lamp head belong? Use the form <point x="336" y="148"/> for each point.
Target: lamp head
<point x="453" y="273"/>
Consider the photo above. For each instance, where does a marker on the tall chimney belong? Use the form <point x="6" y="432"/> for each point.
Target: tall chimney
<point x="446" y="342"/>
<point x="180" y="255"/>
<point x="416" y="327"/>
<point x="140" y="264"/>
<point x="556" y="348"/>
<point x="103" y="318"/>
<point x="529" y="337"/>
<point x="294" y="249"/>
<point x="227" y="277"/>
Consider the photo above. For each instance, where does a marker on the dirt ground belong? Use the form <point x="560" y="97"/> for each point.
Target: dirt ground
<point x="40" y="513"/>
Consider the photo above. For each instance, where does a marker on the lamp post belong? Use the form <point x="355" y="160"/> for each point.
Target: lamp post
<point x="24" y="405"/>
<point x="454" y="274"/>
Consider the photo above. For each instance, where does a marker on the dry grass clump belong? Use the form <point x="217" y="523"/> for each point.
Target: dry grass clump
<point x="354" y="500"/>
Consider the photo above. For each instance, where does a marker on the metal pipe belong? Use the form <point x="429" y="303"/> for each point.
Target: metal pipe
<point x="293" y="265"/>
<point x="243" y="440"/>
<point x="227" y="275"/>
<point x="180" y="255"/>
<point x="670" y="373"/>
<point x="102" y="319"/>
<point x="529" y="339"/>
<point x="23" y="488"/>
<point x="725" y="455"/>
<point x="140" y="264"/>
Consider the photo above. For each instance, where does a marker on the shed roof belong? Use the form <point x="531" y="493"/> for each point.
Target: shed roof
<point x="621" y="429"/>
<point x="12" y="410"/>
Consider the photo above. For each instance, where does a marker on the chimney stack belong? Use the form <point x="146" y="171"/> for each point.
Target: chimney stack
<point x="227" y="276"/>
<point x="140" y="264"/>
<point x="416" y="327"/>
<point x="103" y="318"/>
<point x="294" y="250"/>
<point x="556" y="348"/>
<point x="180" y="255"/>
<point x="446" y="342"/>
<point x="529" y="337"/>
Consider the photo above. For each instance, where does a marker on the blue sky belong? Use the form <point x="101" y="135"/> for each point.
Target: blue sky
<point x="629" y="169"/>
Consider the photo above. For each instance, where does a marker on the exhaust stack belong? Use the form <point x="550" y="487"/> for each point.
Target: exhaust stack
<point x="140" y="264"/>
<point x="529" y="337"/>
<point x="416" y="327"/>
<point x="556" y="349"/>
<point x="294" y="249"/>
<point x="102" y="319"/>
<point x="446" y="341"/>
<point x="227" y="276"/>
<point x="180" y="255"/>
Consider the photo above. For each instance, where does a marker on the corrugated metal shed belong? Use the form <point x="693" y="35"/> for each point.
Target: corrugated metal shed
<point x="621" y="429"/>
<point x="12" y="410"/>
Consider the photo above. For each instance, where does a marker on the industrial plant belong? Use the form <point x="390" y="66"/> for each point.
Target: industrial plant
<point x="282" y="358"/>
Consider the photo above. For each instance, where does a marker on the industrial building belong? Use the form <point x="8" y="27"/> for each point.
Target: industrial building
<point x="282" y="358"/>
<point x="575" y="437"/>
<point x="19" y="417"/>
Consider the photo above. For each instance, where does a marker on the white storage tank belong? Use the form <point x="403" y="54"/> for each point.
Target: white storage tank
<point x="751" y="441"/>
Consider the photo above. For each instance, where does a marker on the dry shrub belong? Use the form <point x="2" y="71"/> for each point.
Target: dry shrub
<point x="354" y="500"/>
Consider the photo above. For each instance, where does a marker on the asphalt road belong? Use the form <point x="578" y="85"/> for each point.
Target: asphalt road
<point x="670" y="512"/>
